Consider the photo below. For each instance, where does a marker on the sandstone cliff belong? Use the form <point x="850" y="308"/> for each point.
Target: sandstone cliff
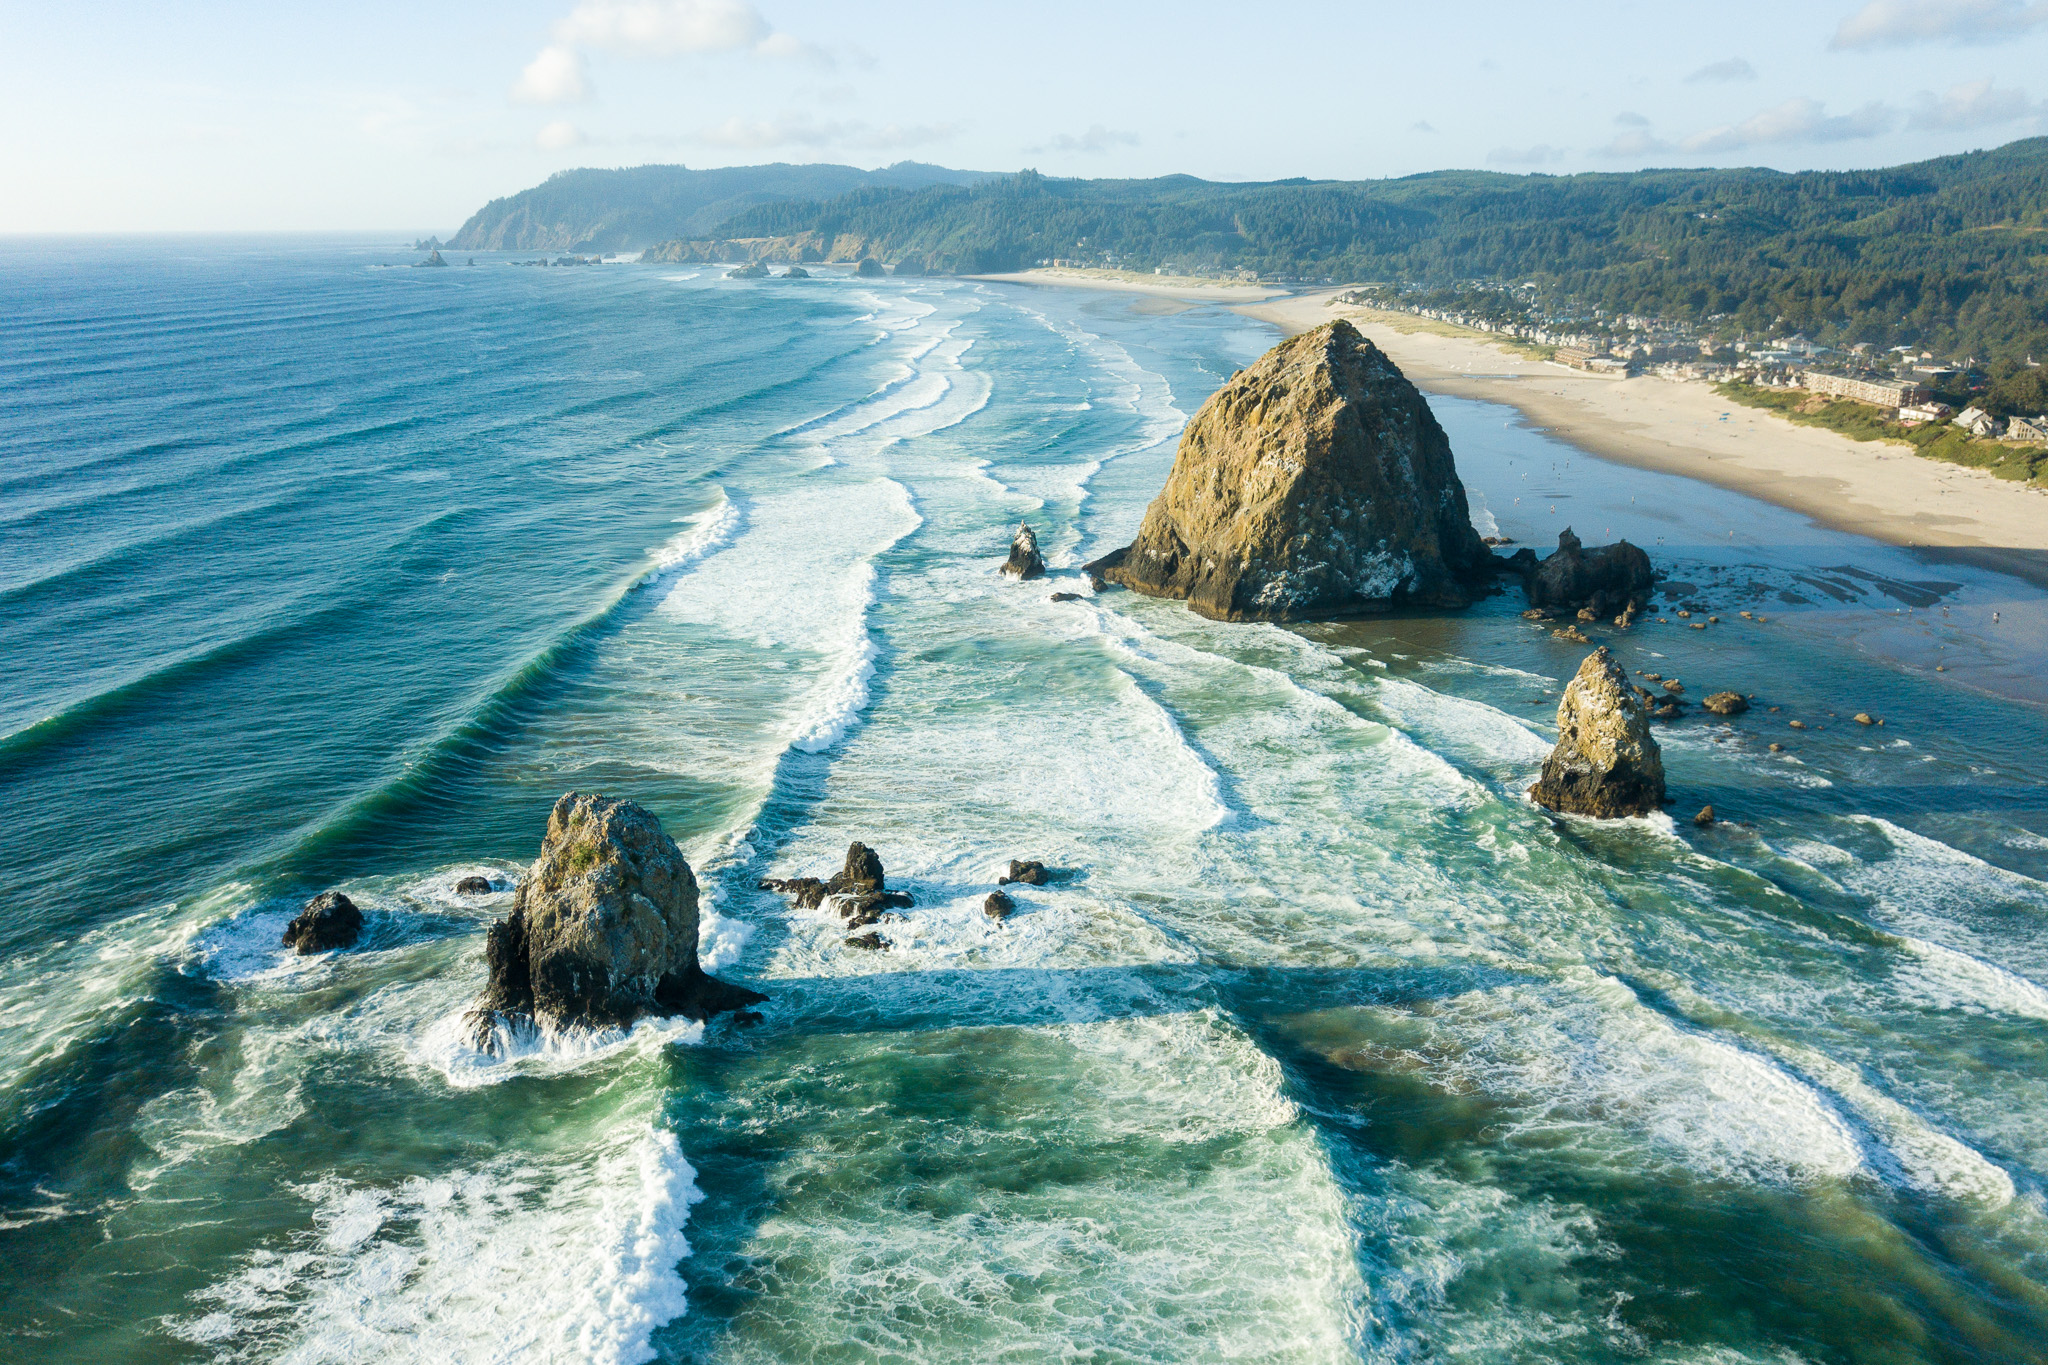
<point x="1606" y="763"/>
<point x="1315" y="483"/>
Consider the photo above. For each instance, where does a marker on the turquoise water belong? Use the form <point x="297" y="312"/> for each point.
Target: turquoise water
<point x="1324" y="1046"/>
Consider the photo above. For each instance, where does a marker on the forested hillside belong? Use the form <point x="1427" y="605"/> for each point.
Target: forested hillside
<point x="625" y="210"/>
<point x="1946" y="253"/>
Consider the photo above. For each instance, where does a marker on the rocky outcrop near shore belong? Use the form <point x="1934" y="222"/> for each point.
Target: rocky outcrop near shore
<point x="859" y="889"/>
<point x="603" y="929"/>
<point x="1606" y="764"/>
<point x="1601" y="581"/>
<point x="1316" y="483"/>
<point x="328" y="921"/>
<point x="1024" y="562"/>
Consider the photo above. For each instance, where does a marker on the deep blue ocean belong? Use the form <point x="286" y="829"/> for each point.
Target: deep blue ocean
<point x="318" y="571"/>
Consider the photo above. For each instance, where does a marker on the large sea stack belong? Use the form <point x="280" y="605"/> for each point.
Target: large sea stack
<point x="1314" y="484"/>
<point x="1605" y="764"/>
<point x="603" y="929"/>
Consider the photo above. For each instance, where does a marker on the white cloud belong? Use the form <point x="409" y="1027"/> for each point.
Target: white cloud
<point x="664" y="28"/>
<point x="1973" y="104"/>
<point x="1734" y="69"/>
<point x="798" y="130"/>
<point x="651" y="28"/>
<point x="1096" y="139"/>
<point x="1628" y="118"/>
<point x="554" y="77"/>
<point x="559" y="135"/>
<point x="1541" y="154"/>
<point x="1891" y="23"/>
<point x="1636" y="142"/>
<point x="1795" y="121"/>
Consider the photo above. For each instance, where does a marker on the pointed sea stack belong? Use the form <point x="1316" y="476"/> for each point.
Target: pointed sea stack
<point x="603" y="929"/>
<point x="1025" y="561"/>
<point x="1605" y="764"/>
<point x="1314" y="484"/>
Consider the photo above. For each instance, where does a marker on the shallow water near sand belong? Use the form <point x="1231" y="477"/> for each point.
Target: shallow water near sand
<point x="1323" y="1044"/>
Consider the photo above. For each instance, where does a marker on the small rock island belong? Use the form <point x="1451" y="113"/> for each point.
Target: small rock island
<point x="1314" y="484"/>
<point x="603" y="929"/>
<point x="1606" y="763"/>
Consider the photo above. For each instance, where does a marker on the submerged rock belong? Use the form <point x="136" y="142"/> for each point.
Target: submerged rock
<point x="330" y="920"/>
<point x="1024" y="561"/>
<point x="998" y="905"/>
<point x="1606" y="764"/>
<point x="1604" y="580"/>
<point x="603" y="929"/>
<point x="1314" y="483"/>
<point x="1066" y="597"/>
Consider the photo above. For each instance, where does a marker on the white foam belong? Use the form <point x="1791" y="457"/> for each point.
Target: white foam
<point x="709" y="532"/>
<point x="1942" y="978"/>
<point x="520" y="1259"/>
<point x="445" y="1046"/>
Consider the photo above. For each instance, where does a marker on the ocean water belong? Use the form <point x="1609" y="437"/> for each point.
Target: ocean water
<point x="1324" y="1045"/>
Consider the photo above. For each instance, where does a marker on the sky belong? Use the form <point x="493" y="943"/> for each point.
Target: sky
<point x="374" y="116"/>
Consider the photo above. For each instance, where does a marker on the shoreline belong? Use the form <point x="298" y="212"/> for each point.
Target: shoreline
<point x="1943" y="513"/>
<point x="1127" y="282"/>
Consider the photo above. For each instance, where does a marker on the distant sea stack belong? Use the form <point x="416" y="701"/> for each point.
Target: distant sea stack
<point x="603" y="929"/>
<point x="1606" y="764"/>
<point x="1314" y="484"/>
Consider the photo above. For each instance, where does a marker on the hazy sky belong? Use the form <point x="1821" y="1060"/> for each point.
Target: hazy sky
<point x="229" y="115"/>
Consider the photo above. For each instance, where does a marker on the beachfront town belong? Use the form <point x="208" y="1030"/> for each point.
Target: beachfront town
<point x="1913" y="385"/>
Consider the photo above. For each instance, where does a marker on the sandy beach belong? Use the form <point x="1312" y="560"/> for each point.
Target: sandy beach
<point x="1127" y="281"/>
<point x="1877" y="489"/>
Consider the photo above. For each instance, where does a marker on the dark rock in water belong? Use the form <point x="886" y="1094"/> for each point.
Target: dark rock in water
<point x="1572" y="633"/>
<point x="869" y="268"/>
<point x="862" y="872"/>
<point x="1605" y="580"/>
<point x="872" y="941"/>
<point x="1024" y="561"/>
<point x="603" y="929"/>
<point x="1605" y="764"/>
<point x="1066" y="597"/>
<point x="1030" y="874"/>
<point x="433" y="261"/>
<point x="754" y="270"/>
<point x="1314" y="483"/>
<point x="1705" y="817"/>
<point x="796" y="272"/>
<point x="474" y="886"/>
<point x="1670" y="710"/>
<point x="329" y="920"/>
<point x="998" y="906"/>
<point x="1725" y="703"/>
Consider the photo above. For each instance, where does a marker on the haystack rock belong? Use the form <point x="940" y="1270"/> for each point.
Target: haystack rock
<point x="1603" y="580"/>
<point x="1315" y="483"/>
<point x="1024" y="560"/>
<point x="603" y="929"/>
<point x="1605" y="763"/>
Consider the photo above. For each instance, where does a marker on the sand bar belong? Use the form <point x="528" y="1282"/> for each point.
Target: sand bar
<point x="1878" y="489"/>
